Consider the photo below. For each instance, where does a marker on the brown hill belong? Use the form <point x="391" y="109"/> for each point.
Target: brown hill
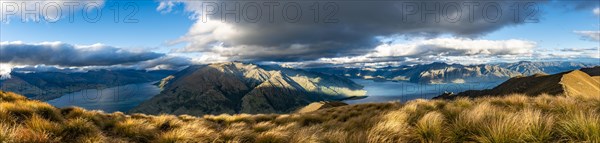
<point x="572" y="83"/>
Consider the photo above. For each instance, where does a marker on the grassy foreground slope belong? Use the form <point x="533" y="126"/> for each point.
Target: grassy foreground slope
<point x="513" y="118"/>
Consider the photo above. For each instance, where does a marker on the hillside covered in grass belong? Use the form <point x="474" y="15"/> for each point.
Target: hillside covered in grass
<point x="514" y="118"/>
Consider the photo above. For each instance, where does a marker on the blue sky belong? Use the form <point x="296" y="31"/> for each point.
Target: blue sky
<point x="176" y="32"/>
<point x="152" y="29"/>
<point x="554" y="30"/>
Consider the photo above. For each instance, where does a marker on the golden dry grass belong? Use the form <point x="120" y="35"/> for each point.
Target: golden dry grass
<point x="512" y="118"/>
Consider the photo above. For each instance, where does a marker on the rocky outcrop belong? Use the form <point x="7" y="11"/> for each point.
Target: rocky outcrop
<point x="234" y="87"/>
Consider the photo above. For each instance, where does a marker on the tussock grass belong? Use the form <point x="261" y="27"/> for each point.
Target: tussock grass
<point x="6" y="133"/>
<point x="512" y="118"/>
<point x="430" y="128"/>
<point x="138" y="130"/>
<point x="81" y="130"/>
<point x="581" y="126"/>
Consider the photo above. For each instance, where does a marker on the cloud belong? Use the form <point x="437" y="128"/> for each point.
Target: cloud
<point x="46" y="68"/>
<point x="5" y="71"/>
<point x="165" y="6"/>
<point x="164" y="63"/>
<point x="61" y="57"/>
<point x="460" y="50"/>
<point x="576" y="4"/>
<point x="448" y="50"/>
<point x="350" y="31"/>
<point x="589" y="35"/>
<point x="597" y="11"/>
<point x="574" y="53"/>
<point x="454" y="50"/>
<point x="455" y="47"/>
<point x="578" y="49"/>
<point x="62" y="54"/>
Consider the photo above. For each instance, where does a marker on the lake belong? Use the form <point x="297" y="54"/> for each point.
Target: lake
<point x="120" y="98"/>
<point x="384" y="91"/>
<point x="123" y="98"/>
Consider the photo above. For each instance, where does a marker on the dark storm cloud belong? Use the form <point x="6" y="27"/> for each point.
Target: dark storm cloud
<point x="61" y="54"/>
<point x="351" y="30"/>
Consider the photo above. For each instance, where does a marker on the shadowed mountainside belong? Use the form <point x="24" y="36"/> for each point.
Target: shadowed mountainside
<point x="593" y="71"/>
<point x="245" y="88"/>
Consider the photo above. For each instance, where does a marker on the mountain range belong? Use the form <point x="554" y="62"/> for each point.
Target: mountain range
<point x="235" y="87"/>
<point x="436" y="73"/>
<point x="51" y="85"/>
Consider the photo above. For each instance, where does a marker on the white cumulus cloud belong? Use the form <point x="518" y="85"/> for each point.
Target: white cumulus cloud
<point x="5" y="70"/>
<point x="454" y="49"/>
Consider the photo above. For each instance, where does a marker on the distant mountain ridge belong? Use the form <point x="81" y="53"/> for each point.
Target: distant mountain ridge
<point x="436" y="73"/>
<point x="234" y="87"/>
<point x="50" y="85"/>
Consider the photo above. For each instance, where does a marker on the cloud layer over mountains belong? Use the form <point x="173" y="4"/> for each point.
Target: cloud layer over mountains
<point x="49" y="56"/>
<point x="62" y="54"/>
<point x="441" y="49"/>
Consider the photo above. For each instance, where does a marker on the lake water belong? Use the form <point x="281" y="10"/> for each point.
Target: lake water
<point x="120" y="98"/>
<point x="124" y="98"/>
<point x="384" y="91"/>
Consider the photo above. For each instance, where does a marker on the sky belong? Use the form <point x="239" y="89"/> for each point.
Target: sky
<point x="170" y="34"/>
